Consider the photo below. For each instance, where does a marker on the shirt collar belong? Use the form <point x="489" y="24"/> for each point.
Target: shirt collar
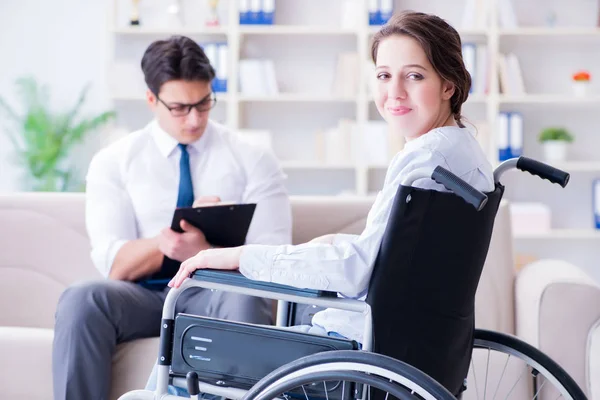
<point x="167" y="143"/>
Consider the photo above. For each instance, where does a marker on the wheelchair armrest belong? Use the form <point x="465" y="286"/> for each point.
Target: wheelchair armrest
<point x="235" y="278"/>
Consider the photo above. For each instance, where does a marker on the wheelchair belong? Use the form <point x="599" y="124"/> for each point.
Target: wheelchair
<point x="419" y="340"/>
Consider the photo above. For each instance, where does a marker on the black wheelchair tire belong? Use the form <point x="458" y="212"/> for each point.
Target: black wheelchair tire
<point x="360" y="358"/>
<point x="376" y="382"/>
<point x="485" y="339"/>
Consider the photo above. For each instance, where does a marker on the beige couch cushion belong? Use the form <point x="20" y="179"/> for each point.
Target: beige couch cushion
<point x="26" y="363"/>
<point x="593" y="370"/>
<point x="557" y="307"/>
<point x="494" y="301"/>
<point x="316" y="216"/>
<point x="44" y="249"/>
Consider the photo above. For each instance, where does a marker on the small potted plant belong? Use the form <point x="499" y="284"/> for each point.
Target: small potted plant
<point x="555" y="141"/>
<point x="581" y="83"/>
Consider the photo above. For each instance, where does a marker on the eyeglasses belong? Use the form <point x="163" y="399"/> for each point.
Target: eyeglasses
<point x="181" y="110"/>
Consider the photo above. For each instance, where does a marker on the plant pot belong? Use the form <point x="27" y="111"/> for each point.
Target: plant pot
<point x="555" y="150"/>
<point x="580" y="88"/>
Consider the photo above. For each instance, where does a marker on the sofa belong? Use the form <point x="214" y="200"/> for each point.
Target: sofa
<point x="44" y="248"/>
<point x="558" y="311"/>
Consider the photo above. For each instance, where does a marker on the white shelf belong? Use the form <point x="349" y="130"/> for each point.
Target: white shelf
<point x="578" y="166"/>
<point x="221" y="97"/>
<point x="472" y="99"/>
<point x="561" y="234"/>
<point x="461" y="32"/>
<point x="307" y="165"/>
<point x="294" y="30"/>
<point x="296" y="97"/>
<point x="543" y="31"/>
<point x="144" y="31"/>
<point x="549" y="99"/>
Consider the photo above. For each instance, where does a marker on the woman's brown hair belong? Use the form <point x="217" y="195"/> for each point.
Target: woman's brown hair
<point x="442" y="45"/>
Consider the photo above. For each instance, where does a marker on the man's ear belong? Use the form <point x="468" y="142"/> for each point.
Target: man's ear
<point x="150" y="99"/>
<point x="448" y="90"/>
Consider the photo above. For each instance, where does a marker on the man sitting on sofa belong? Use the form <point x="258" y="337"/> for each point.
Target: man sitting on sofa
<point x="133" y="188"/>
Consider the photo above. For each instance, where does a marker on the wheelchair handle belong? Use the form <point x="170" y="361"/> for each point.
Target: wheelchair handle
<point x="461" y="188"/>
<point x="544" y="171"/>
<point x="192" y="383"/>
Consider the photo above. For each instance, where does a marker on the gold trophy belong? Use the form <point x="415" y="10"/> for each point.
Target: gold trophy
<point x="213" y="18"/>
<point x="135" y="13"/>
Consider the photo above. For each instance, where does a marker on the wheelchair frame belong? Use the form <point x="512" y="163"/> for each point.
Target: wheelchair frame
<point x="460" y="188"/>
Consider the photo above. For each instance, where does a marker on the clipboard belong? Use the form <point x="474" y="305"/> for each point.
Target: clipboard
<point x="223" y="225"/>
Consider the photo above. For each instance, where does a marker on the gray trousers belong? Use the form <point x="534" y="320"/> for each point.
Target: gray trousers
<point x="93" y="317"/>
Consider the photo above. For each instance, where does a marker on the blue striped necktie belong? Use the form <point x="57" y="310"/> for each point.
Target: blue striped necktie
<point x="185" y="198"/>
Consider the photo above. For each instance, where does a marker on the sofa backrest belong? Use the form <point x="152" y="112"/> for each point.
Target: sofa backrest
<point x="44" y="248"/>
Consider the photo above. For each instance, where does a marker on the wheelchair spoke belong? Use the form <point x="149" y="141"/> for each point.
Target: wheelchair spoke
<point x="559" y="396"/>
<point x="305" y="394"/>
<point x="501" y="376"/>
<point x="515" y="385"/>
<point x="539" y="390"/>
<point x="475" y="378"/>
<point x="487" y="369"/>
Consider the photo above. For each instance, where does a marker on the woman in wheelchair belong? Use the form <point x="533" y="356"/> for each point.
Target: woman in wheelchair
<point x="422" y="314"/>
<point x="422" y="83"/>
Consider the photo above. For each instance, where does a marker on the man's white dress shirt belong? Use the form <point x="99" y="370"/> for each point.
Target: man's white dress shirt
<point x="132" y="187"/>
<point x="346" y="265"/>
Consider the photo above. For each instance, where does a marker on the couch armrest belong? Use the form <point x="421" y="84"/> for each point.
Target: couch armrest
<point x="26" y="363"/>
<point x="557" y="305"/>
<point x="594" y="362"/>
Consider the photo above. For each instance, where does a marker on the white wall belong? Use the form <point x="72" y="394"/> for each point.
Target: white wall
<point x="62" y="43"/>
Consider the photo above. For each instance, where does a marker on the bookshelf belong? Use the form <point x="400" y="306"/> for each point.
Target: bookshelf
<point x="304" y="44"/>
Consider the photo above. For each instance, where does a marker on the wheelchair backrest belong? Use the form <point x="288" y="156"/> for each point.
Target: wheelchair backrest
<point x="422" y="290"/>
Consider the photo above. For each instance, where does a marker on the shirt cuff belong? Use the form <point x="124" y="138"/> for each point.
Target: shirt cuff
<point x="111" y="254"/>
<point x="343" y="237"/>
<point x="256" y="262"/>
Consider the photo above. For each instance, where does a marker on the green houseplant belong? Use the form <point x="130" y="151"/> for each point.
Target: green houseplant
<point x="555" y="141"/>
<point x="43" y="139"/>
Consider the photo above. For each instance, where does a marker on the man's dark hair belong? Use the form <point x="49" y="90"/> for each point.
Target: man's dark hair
<point x="177" y="58"/>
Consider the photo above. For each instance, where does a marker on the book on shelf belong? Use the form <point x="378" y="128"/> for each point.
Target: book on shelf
<point x="596" y="202"/>
<point x="218" y="55"/>
<point x="380" y="11"/>
<point x="257" y="77"/>
<point x="256" y="12"/>
<point x="347" y="72"/>
<point x="334" y="146"/>
<point x="476" y="14"/>
<point x="481" y="132"/>
<point x="530" y="218"/>
<point x="351" y="15"/>
<point x="476" y="58"/>
<point x="507" y="17"/>
<point x="260" y="138"/>
<point x="510" y="135"/>
<point x="510" y="75"/>
<point x="374" y="143"/>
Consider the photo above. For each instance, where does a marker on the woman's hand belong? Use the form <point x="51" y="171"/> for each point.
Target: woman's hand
<point x="226" y="259"/>
<point x="327" y="239"/>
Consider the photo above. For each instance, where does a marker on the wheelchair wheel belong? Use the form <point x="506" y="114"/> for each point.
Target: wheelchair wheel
<point x="515" y="369"/>
<point x="342" y="374"/>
